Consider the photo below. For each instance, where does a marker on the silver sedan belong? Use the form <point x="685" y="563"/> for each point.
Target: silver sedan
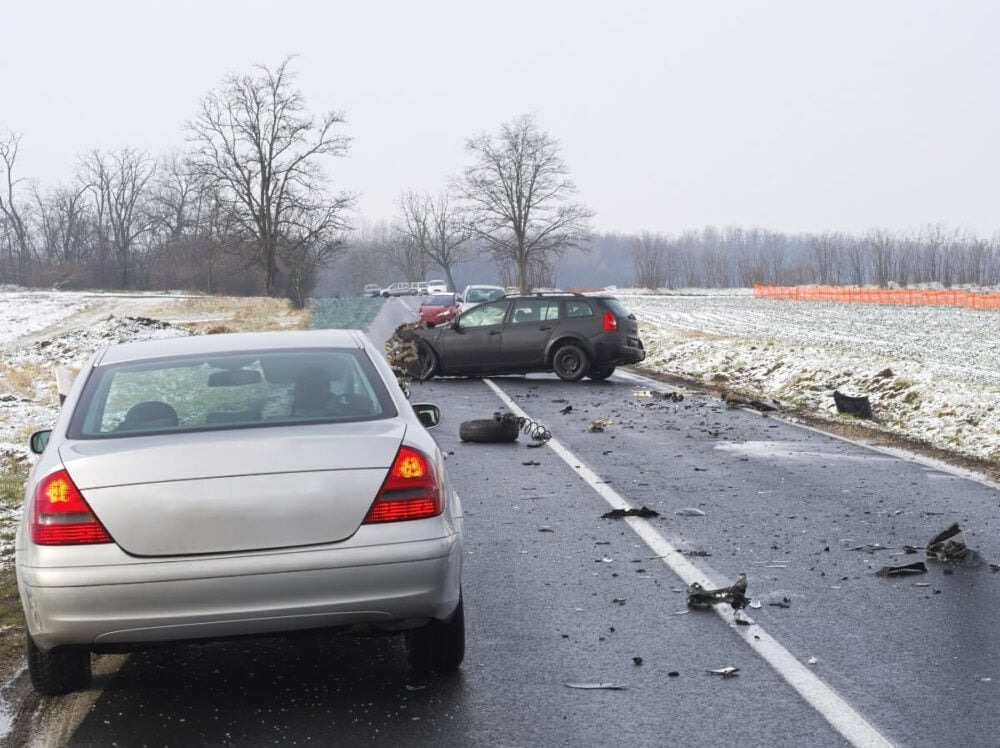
<point x="232" y="485"/>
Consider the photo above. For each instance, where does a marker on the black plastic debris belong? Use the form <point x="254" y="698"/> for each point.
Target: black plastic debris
<point x="631" y="512"/>
<point x="597" y="686"/>
<point x="637" y="660"/>
<point x="859" y="407"/>
<point x="948" y="546"/>
<point x="734" y="595"/>
<point x="531" y="463"/>
<point x="918" y="567"/>
<point x="780" y="602"/>
<point x="567" y="409"/>
<point x="725" y="672"/>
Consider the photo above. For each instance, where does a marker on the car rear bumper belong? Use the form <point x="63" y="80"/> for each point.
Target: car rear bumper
<point x="168" y="600"/>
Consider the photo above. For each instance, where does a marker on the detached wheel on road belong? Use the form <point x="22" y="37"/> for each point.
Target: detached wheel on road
<point x="58" y="671"/>
<point x="570" y="362"/>
<point x="439" y="645"/>
<point x="600" y="373"/>
<point x="487" y="430"/>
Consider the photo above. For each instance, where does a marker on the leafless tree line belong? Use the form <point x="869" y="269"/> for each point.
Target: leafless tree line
<point x="736" y="257"/>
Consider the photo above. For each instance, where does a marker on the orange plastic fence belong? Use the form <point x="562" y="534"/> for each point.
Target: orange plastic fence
<point x="907" y="296"/>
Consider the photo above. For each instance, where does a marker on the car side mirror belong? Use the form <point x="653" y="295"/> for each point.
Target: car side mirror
<point x="39" y="440"/>
<point x="428" y="413"/>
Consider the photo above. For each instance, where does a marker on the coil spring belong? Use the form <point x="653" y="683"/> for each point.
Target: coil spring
<point x="535" y="431"/>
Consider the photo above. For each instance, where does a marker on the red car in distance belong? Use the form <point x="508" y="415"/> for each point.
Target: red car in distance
<point x="439" y="308"/>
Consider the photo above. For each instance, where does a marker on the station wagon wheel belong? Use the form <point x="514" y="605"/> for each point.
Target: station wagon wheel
<point x="600" y="373"/>
<point x="426" y="365"/>
<point x="438" y="645"/>
<point x="58" y="671"/>
<point x="570" y="362"/>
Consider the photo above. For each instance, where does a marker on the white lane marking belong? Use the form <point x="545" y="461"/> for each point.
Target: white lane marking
<point x="851" y="724"/>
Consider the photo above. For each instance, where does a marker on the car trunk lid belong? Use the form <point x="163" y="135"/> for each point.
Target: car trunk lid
<point x="234" y="490"/>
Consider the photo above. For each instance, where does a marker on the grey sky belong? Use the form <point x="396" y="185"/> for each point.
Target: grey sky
<point x="794" y="116"/>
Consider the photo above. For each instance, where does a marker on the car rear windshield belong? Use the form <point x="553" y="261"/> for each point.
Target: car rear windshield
<point x="483" y="294"/>
<point x="440" y="300"/>
<point x="237" y="390"/>
<point x="619" y="309"/>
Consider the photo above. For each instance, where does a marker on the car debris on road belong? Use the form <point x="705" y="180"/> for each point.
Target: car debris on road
<point x="644" y="511"/>
<point x="725" y="672"/>
<point x="734" y="595"/>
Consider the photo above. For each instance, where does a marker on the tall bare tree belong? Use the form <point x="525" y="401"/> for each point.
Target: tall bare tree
<point x="255" y="139"/>
<point x="435" y="227"/>
<point x="517" y="191"/>
<point x="649" y="254"/>
<point x="13" y="214"/>
<point x="119" y="183"/>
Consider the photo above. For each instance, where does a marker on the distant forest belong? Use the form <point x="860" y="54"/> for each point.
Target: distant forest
<point x="714" y="258"/>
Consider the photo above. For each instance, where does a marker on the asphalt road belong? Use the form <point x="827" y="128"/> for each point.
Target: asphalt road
<point x="555" y="594"/>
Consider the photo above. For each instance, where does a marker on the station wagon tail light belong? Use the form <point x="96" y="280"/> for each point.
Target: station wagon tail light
<point x="610" y="322"/>
<point x="410" y="491"/>
<point x="61" y="516"/>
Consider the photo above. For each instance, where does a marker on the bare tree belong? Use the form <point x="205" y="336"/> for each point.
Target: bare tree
<point x="882" y="248"/>
<point x="435" y="227"/>
<point x="825" y="257"/>
<point x="254" y="138"/>
<point x="649" y="254"/>
<point x="516" y="192"/>
<point x="17" y="225"/>
<point x="119" y="183"/>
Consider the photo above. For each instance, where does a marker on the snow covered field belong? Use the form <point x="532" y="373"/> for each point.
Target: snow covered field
<point x="932" y="373"/>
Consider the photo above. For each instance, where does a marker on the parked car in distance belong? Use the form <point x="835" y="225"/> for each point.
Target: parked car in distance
<point x="437" y="286"/>
<point x="439" y="308"/>
<point x="421" y="288"/>
<point x="400" y="288"/>
<point x="574" y="335"/>
<point x="372" y="289"/>
<point x="231" y="485"/>
<point x="473" y="295"/>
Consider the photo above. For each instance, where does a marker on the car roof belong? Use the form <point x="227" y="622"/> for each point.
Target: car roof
<point x="234" y="342"/>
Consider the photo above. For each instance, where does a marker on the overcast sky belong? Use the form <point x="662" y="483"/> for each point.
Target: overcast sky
<point x="792" y="116"/>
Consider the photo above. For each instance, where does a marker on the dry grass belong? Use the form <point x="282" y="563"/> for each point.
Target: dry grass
<point x="215" y="314"/>
<point x="22" y="380"/>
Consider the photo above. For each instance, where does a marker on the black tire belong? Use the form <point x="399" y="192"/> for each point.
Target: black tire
<point x="570" y="362"/>
<point x="426" y="365"/>
<point x="58" y="671"/>
<point x="439" y="645"/>
<point x="600" y="373"/>
<point x="487" y="430"/>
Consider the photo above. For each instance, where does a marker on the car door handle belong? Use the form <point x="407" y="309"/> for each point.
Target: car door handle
<point x="494" y="332"/>
<point x="545" y="327"/>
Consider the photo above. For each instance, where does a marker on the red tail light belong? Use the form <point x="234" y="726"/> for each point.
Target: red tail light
<point x="61" y="516"/>
<point x="610" y="322"/>
<point x="410" y="491"/>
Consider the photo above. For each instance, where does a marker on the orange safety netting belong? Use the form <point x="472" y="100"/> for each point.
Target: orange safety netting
<point x="908" y="296"/>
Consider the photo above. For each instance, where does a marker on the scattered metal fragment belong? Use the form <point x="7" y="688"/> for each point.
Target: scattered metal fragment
<point x="599" y="425"/>
<point x="948" y="546"/>
<point x="698" y="554"/>
<point x="725" y="672"/>
<point x="780" y="602"/>
<point x="689" y="512"/>
<point x="631" y="512"/>
<point x="567" y="409"/>
<point x="859" y="407"/>
<point x="918" y="567"/>
<point x="535" y="431"/>
<point x="531" y="463"/>
<point x="870" y="547"/>
<point x="597" y="686"/>
<point x="619" y="600"/>
<point x="734" y="595"/>
<point x="812" y="660"/>
<point x="545" y="528"/>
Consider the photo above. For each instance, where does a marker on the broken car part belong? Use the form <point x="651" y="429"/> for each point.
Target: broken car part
<point x="734" y="595"/>
<point x="631" y="512"/>
<point x="859" y="407"/>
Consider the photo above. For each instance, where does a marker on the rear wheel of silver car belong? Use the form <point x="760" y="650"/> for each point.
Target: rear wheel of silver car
<point x="58" y="671"/>
<point x="570" y="362"/>
<point x="600" y="373"/>
<point x="439" y="645"/>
